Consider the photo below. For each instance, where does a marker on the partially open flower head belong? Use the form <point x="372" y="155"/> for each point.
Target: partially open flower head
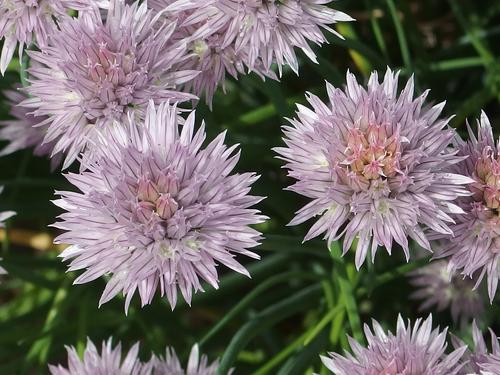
<point x="441" y="289"/>
<point x="474" y="248"/>
<point x="479" y="359"/>
<point x="270" y="30"/>
<point x="374" y="164"/>
<point x="24" y="131"/>
<point x="236" y="36"/>
<point x="156" y="211"/>
<point x="417" y="350"/>
<point x="170" y="365"/>
<point x="26" y="22"/>
<point x="108" y="362"/>
<point x="205" y="25"/>
<point x="94" y="73"/>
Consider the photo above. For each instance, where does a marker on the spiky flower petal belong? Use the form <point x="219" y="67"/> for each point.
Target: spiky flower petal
<point x="374" y="164"/>
<point x="437" y="287"/>
<point x="417" y="350"/>
<point x="23" y="131"/>
<point x="157" y="211"/>
<point x="109" y="362"/>
<point x="479" y="360"/>
<point x="95" y="73"/>
<point x="169" y="364"/>
<point x="24" y="22"/>
<point x="474" y="248"/>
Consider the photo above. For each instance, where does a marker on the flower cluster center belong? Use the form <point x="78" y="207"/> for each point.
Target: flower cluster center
<point x="372" y="154"/>
<point x="112" y="76"/>
<point x="156" y="198"/>
<point x="486" y="189"/>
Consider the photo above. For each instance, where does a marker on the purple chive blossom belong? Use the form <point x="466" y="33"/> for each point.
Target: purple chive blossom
<point x="436" y="286"/>
<point x="170" y="365"/>
<point x="271" y="29"/>
<point x="474" y="249"/>
<point x="374" y="166"/>
<point x="480" y="360"/>
<point x="206" y="25"/>
<point x="233" y="36"/>
<point x="24" y="22"/>
<point x="417" y="350"/>
<point x="22" y="131"/>
<point x="108" y="362"/>
<point x="156" y="211"/>
<point x="95" y="73"/>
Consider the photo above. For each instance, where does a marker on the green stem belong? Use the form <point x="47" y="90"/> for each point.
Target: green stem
<point x="235" y="281"/>
<point x="393" y="274"/>
<point x="377" y="31"/>
<point x="347" y="294"/>
<point x="41" y="348"/>
<point x="304" y="340"/>
<point x="476" y="41"/>
<point x="281" y="356"/>
<point x="264" y="320"/>
<point x="322" y="323"/>
<point x="466" y="62"/>
<point x="249" y="298"/>
<point x="403" y="43"/>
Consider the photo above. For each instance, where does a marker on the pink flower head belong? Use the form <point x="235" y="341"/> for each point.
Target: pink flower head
<point x="417" y="350"/>
<point x="108" y="362"/>
<point x="436" y="287"/>
<point x="374" y="164"/>
<point x="25" y="22"/>
<point x="474" y="247"/>
<point x="156" y="211"/>
<point x="23" y="130"/>
<point x="95" y="73"/>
